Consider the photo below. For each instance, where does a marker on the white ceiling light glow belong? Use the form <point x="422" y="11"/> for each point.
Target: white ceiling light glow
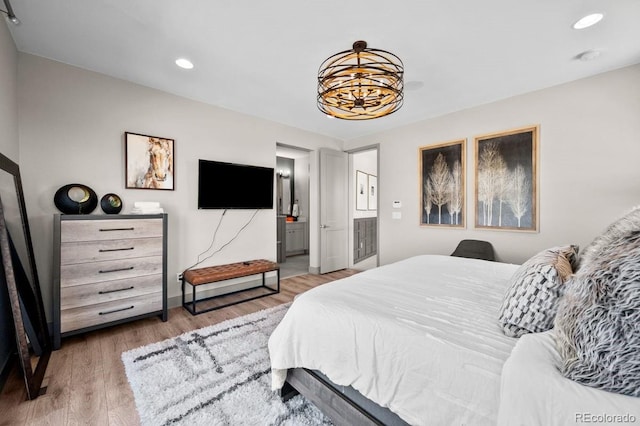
<point x="588" y="21"/>
<point x="184" y="63"/>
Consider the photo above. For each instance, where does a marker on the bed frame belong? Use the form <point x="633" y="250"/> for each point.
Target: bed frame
<point x="344" y="405"/>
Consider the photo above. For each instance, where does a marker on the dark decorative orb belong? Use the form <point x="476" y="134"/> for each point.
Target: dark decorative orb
<point x="75" y="198"/>
<point x="111" y="204"/>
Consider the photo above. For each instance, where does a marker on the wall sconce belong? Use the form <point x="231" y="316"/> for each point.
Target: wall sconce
<point x="284" y="174"/>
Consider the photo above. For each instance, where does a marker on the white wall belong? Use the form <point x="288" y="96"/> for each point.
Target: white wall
<point x="72" y="121"/>
<point x="301" y="186"/>
<point x="366" y="162"/>
<point x="71" y="126"/>
<point x="588" y="175"/>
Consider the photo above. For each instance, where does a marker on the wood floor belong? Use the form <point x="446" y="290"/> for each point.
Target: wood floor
<point x="86" y="382"/>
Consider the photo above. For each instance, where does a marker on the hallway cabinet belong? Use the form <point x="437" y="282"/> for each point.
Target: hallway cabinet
<point x="297" y="241"/>
<point x="365" y="240"/>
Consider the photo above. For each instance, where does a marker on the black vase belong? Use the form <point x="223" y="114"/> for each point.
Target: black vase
<point x="75" y="198"/>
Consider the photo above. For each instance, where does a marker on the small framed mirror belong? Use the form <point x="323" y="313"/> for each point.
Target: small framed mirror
<point x="284" y="185"/>
<point x="18" y="274"/>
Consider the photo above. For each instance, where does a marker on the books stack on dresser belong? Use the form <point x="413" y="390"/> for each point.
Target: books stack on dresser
<point x="146" y="207"/>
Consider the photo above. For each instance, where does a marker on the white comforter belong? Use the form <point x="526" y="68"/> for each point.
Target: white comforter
<point x="418" y="336"/>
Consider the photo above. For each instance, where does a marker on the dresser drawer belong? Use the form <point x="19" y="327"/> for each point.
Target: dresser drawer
<point x="90" y="230"/>
<point x="93" y="315"/>
<point x="108" y="291"/>
<point x="87" y="273"/>
<point x="96" y="251"/>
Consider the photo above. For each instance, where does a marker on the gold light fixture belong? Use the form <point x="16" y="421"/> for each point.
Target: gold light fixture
<point x="360" y="84"/>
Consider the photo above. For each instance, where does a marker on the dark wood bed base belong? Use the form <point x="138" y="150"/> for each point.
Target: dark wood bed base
<point x="344" y="405"/>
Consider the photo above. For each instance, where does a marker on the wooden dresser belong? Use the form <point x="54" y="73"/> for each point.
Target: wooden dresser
<point x="108" y="269"/>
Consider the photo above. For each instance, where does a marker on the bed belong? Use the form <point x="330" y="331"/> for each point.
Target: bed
<point x="445" y="340"/>
<point x="417" y="338"/>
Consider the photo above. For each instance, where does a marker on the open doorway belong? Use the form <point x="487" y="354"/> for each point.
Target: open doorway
<point x="292" y="210"/>
<point x="363" y="223"/>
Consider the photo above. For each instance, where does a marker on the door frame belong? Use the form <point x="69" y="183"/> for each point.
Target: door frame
<point x="311" y="213"/>
<point x="352" y="186"/>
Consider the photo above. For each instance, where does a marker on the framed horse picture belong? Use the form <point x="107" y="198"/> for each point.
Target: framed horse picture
<point x="149" y="162"/>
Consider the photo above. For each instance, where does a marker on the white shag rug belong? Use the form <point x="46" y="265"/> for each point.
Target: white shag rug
<point x="217" y="375"/>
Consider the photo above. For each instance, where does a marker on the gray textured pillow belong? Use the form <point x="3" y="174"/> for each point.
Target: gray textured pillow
<point x="597" y="326"/>
<point x="530" y="303"/>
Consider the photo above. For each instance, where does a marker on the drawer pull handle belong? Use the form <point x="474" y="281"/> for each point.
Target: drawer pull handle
<point x="116" y="229"/>
<point x="105" y="271"/>
<point x="116" y="249"/>
<point x="115" y="290"/>
<point x="115" y="310"/>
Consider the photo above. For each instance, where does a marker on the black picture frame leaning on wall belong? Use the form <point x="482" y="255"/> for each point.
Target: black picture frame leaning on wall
<point x="27" y="308"/>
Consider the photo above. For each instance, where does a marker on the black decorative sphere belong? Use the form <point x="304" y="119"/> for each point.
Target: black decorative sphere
<point x="111" y="204"/>
<point x="75" y="198"/>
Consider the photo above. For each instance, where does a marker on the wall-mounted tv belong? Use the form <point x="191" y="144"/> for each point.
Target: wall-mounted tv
<point x="234" y="186"/>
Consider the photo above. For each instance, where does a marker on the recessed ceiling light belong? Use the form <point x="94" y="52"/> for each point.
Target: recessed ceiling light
<point x="588" y="21"/>
<point x="184" y="63"/>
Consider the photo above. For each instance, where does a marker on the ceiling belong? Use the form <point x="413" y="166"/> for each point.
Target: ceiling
<point x="262" y="57"/>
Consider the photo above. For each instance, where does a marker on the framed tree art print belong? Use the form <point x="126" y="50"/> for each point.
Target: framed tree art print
<point x="506" y="180"/>
<point x="149" y="162"/>
<point x="442" y="177"/>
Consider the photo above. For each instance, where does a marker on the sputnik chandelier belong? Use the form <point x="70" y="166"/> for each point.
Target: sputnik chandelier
<point x="360" y="84"/>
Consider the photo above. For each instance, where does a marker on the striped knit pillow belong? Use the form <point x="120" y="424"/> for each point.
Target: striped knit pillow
<point x="530" y="304"/>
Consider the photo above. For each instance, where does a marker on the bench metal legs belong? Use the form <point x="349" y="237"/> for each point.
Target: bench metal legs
<point x="192" y="305"/>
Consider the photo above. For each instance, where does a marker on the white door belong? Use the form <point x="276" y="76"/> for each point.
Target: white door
<point x="334" y="210"/>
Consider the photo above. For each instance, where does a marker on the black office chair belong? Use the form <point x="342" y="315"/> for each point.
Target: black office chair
<point x="475" y="249"/>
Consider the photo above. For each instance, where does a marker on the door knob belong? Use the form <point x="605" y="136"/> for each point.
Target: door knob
<point x="324" y="226"/>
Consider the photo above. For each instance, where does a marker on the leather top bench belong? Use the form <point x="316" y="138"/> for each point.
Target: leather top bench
<point x="213" y="274"/>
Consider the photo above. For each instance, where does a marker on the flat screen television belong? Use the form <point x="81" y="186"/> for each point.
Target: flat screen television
<point x="234" y="186"/>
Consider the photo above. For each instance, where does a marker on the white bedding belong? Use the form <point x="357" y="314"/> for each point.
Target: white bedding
<point x="418" y="336"/>
<point x="535" y="393"/>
